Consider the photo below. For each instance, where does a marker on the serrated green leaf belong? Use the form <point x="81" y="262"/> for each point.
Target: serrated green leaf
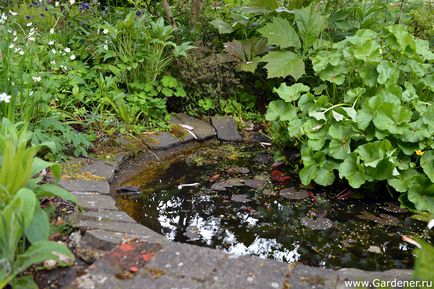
<point x="222" y="26"/>
<point x="283" y="64"/>
<point x="280" y="110"/>
<point x="290" y="93"/>
<point x="427" y="164"/>
<point x="280" y="32"/>
<point x="310" y="24"/>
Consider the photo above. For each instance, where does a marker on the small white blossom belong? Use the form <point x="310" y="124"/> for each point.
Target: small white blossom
<point x="105" y="31"/>
<point x="71" y="2"/>
<point x="53" y="51"/>
<point x="51" y="42"/>
<point x="21" y="52"/>
<point x="11" y="45"/>
<point x="14" y="33"/>
<point x="36" y="78"/>
<point x="29" y="24"/>
<point x="13" y="13"/>
<point x="431" y="224"/>
<point x="67" y="49"/>
<point x="53" y="62"/>
<point x="31" y="38"/>
<point x="52" y="31"/>
<point x="15" y="39"/>
<point x="105" y="47"/>
<point x="5" y="98"/>
<point x="72" y="57"/>
<point x="57" y="4"/>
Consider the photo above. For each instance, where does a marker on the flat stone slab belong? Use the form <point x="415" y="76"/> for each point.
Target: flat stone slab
<point x="306" y="277"/>
<point x="201" y="129"/>
<point x="163" y="140"/>
<point x="345" y="275"/>
<point x="94" y="202"/>
<point x="226" y="128"/>
<point x="248" y="272"/>
<point x="102" y="239"/>
<point x="106" y="216"/>
<point x="78" y="186"/>
<point x="100" y="169"/>
<point x="138" y="230"/>
<point x="189" y="261"/>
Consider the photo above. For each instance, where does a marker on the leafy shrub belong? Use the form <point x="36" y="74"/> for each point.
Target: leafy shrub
<point x="22" y="221"/>
<point x="371" y="116"/>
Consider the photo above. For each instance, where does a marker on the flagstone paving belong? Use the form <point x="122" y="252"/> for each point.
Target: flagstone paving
<point x="138" y="257"/>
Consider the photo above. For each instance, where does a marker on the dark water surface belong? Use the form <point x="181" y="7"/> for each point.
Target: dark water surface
<point x="366" y="233"/>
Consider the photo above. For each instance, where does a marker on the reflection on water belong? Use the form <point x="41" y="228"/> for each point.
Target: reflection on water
<point x="261" y="224"/>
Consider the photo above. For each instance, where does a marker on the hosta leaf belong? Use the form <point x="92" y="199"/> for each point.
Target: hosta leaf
<point x="39" y="228"/>
<point x="291" y="93"/>
<point x="351" y="170"/>
<point x="283" y="64"/>
<point x="280" y="32"/>
<point x="280" y="110"/>
<point x="222" y="26"/>
<point x="427" y="164"/>
<point x="310" y="24"/>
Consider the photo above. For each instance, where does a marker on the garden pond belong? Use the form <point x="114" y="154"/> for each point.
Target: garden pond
<point x="234" y="198"/>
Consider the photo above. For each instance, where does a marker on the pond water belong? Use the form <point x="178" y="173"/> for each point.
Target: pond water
<point x="236" y="206"/>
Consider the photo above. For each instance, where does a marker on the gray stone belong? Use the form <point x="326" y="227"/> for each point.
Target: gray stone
<point x="133" y="229"/>
<point x="226" y="128"/>
<point x="100" y="169"/>
<point x="79" y="186"/>
<point x="240" y="198"/>
<point x="189" y="260"/>
<point x="360" y="275"/>
<point x="292" y="194"/>
<point x="306" y="277"/>
<point x="248" y="272"/>
<point x="94" y="202"/>
<point x="101" y="239"/>
<point x="201" y="129"/>
<point x="163" y="141"/>
<point x="106" y="216"/>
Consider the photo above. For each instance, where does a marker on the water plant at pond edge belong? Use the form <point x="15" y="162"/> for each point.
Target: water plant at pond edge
<point x="370" y="117"/>
<point x="24" y="226"/>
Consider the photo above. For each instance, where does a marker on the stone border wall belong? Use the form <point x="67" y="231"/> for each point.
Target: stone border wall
<point x="171" y="265"/>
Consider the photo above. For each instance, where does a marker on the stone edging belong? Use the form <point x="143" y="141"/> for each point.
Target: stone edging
<point x="184" y="265"/>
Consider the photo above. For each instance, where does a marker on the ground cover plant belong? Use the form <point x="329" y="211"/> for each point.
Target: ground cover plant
<point x="348" y="84"/>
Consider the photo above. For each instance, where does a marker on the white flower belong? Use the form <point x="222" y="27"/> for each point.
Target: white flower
<point x="31" y="38"/>
<point x="14" y="33"/>
<point x="36" y="78"/>
<point x="105" y="47"/>
<point x="431" y="224"/>
<point x="71" y="2"/>
<point x="5" y="98"/>
<point x="15" y="39"/>
<point x="53" y="62"/>
<point x="29" y="24"/>
<point x="11" y="45"/>
<point x="13" y="13"/>
<point x="52" y="31"/>
<point x="56" y="4"/>
<point x="105" y="31"/>
<point x="67" y="49"/>
<point x="72" y="57"/>
<point x="51" y="42"/>
<point x="53" y="51"/>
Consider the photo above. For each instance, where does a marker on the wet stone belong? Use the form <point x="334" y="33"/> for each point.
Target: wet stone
<point x="79" y="186"/>
<point x="306" y="277"/>
<point x="250" y="273"/>
<point x="201" y="129"/>
<point x="238" y="170"/>
<point x="240" y="198"/>
<point x="263" y="158"/>
<point x="226" y="128"/>
<point x="106" y="216"/>
<point x="317" y="224"/>
<point x="293" y="194"/>
<point x="393" y="208"/>
<point x="100" y="169"/>
<point x="255" y="184"/>
<point x="383" y="219"/>
<point x="94" y="201"/>
<point x="192" y="233"/>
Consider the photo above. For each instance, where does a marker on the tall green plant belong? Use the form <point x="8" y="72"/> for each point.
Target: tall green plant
<point x="371" y="117"/>
<point x="24" y="226"/>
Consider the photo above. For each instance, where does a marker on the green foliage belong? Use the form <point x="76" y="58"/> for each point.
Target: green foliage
<point x="423" y="264"/>
<point x="21" y="217"/>
<point x="369" y="118"/>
